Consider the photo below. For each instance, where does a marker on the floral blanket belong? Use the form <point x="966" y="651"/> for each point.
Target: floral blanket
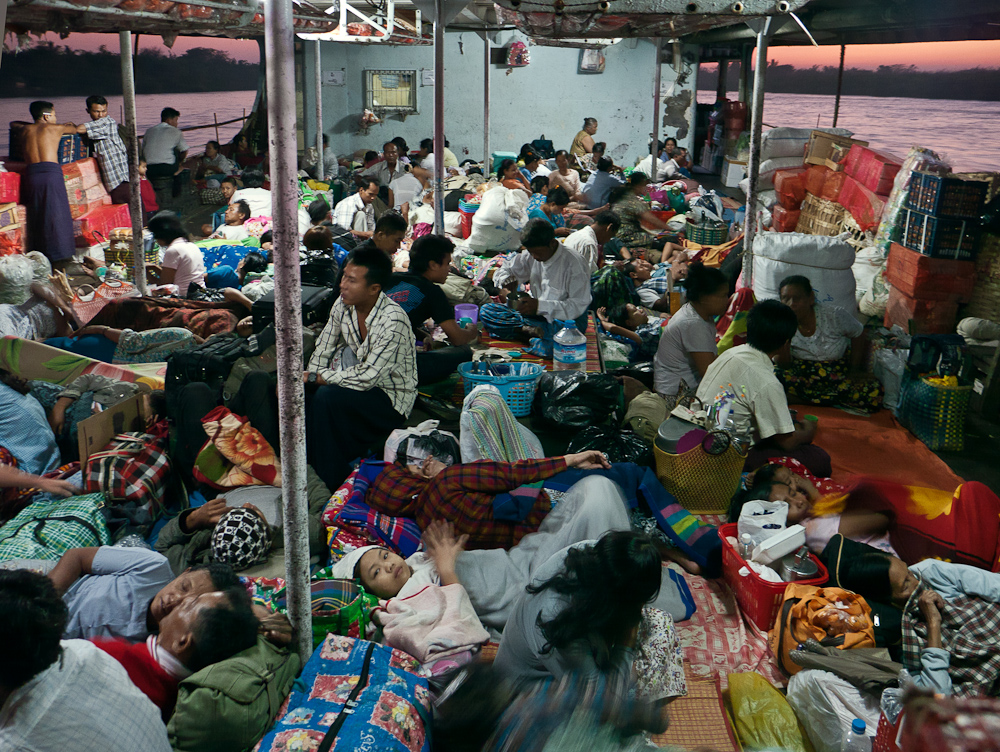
<point x="236" y="454"/>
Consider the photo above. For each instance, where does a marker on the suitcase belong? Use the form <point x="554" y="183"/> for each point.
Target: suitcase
<point x="210" y="362"/>
<point x="316" y="305"/>
<point x="319" y="270"/>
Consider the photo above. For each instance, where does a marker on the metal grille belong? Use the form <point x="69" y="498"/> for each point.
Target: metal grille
<point x="391" y="90"/>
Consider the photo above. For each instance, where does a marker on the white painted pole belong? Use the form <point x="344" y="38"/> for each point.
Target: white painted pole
<point x="132" y="144"/>
<point x="318" y="62"/>
<point x="279" y="45"/>
<point x="486" y="105"/>
<point x="753" y="166"/>
<point x="439" y="117"/>
<point x="654" y="150"/>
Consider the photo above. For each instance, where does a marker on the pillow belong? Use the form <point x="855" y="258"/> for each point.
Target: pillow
<point x="230" y="705"/>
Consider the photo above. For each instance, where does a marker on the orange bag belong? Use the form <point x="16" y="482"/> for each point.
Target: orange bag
<point x="832" y="616"/>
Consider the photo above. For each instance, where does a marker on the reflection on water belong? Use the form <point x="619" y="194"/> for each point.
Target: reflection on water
<point x="963" y="132"/>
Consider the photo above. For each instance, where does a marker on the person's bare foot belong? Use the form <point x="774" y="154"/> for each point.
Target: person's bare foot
<point x="668" y="553"/>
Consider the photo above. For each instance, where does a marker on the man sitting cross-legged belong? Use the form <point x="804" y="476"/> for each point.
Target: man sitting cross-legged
<point x="365" y="367"/>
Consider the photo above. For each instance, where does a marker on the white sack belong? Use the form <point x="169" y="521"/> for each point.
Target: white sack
<point x="888" y="366"/>
<point x="826" y="705"/>
<point x="826" y="261"/>
<point x="867" y="264"/>
<point x="497" y="224"/>
<point x="791" y="142"/>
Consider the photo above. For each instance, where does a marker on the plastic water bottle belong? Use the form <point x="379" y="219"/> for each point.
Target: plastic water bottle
<point x="856" y="740"/>
<point x="746" y="546"/>
<point x="569" y="348"/>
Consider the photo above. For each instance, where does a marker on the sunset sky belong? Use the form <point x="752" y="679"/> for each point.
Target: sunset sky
<point x="927" y="56"/>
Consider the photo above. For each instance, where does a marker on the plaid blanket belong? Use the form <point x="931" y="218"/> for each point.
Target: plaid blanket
<point x="396" y="533"/>
<point x="49" y="527"/>
<point x="969" y="628"/>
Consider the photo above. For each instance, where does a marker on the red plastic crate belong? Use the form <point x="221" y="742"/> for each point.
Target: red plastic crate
<point x="920" y="316"/>
<point x="919" y="276"/>
<point x="10" y="188"/>
<point x="758" y="599"/>
<point x="865" y="207"/>
<point x="96" y="225"/>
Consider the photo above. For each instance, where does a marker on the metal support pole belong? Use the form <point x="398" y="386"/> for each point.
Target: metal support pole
<point x="439" y="24"/>
<point x="746" y="52"/>
<point x="840" y="83"/>
<point x="132" y="143"/>
<point x="3" y="21"/>
<point x="318" y="62"/>
<point x="654" y="164"/>
<point x="279" y="42"/>
<point x="756" y="127"/>
<point x="486" y="105"/>
<point x="721" y="84"/>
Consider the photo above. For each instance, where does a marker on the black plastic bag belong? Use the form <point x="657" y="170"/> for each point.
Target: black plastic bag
<point x="571" y="399"/>
<point x="617" y="445"/>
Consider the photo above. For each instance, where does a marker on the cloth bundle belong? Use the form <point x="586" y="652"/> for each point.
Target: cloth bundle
<point x="236" y="453"/>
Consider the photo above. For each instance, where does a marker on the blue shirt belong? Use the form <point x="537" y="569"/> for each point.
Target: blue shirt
<point x="598" y="188"/>
<point x="25" y="432"/>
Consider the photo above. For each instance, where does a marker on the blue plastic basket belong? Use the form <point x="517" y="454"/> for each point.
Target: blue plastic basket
<point x="516" y="381"/>
<point x="934" y="413"/>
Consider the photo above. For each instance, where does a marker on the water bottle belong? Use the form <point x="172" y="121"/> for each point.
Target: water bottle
<point x="569" y="348"/>
<point x="856" y="740"/>
<point x="746" y="546"/>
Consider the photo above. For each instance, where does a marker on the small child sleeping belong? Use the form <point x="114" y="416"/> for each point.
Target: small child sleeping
<point x="635" y="326"/>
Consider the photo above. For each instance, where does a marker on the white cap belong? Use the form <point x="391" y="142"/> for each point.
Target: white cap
<point x="344" y="569"/>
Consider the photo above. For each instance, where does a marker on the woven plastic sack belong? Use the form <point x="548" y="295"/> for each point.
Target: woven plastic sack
<point x="16" y="274"/>
<point x="763" y="717"/>
<point x="703" y="483"/>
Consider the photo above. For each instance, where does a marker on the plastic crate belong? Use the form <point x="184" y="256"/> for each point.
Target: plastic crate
<point x="934" y="413"/>
<point x="758" y="599"/>
<point x="940" y="238"/>
<point x="942" y="196"/>
<point x="516" y="381"/>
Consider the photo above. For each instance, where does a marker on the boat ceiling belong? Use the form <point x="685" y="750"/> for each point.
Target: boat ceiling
<point x="876" y="22"/>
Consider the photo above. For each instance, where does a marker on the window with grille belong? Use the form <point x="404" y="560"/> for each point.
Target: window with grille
<point x="391" y="91"/>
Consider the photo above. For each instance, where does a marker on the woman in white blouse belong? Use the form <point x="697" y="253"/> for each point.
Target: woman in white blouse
<point x="827" y="352"/>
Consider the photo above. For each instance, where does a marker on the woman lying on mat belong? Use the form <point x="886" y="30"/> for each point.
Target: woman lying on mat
<point x="935" y="602"/>
<point x="824" y="366"/>
<point x="908" y="521"/>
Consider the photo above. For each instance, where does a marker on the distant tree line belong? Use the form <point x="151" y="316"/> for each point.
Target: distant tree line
<point x="884" y="81"/>
<point x="47" y="70"/>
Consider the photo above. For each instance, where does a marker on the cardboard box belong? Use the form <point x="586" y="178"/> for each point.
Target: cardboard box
<point x="821" y="144"/>
<point x="95" y="432"/>
<point x="733" y="171"/>
<point x="925" y="278"/>
<point x="8" y="215"/>
<point x="86" y="169"/>
<point x="96" y="225"/>
<point x="10" y="187"/>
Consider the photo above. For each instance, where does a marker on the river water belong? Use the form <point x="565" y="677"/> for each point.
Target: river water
<point x="961" y="131"/>
<point x="195" y="109"/>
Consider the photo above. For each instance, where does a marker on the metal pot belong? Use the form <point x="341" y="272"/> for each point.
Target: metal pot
<point x="798" y="566"/>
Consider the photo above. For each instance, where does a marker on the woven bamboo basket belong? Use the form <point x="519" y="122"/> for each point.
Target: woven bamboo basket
<point x="858" y="238"/>
<point x="820" y="217"/>
<point x="985" y="301"/>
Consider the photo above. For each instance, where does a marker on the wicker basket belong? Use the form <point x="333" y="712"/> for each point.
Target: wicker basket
<point x="858" y="238"/>
<point x="709" y="233"/>
<point x="935" y="413"/>
<point x="820" y="217"/>
<point x="985" y="301"/>
<point x="702" y="483"/>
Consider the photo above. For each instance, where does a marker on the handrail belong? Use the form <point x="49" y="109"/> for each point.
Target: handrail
<point x="214" y="125"/>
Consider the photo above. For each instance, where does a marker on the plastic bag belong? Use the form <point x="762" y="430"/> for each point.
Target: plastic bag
<point x="888" y="369"/>
<point x="826" y="705"/>
<point x="570" y="399"/>
<point x="764" y="719"/>
<point x="762" y="519"/>
<point x="615" y="444"/>
<point x="410" y="446"/>
<point x="16" y="274"/>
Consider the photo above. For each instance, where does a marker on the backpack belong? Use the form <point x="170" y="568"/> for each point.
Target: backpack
<point x="210" y="362"/>
<point x="229" y="705"/>
<point x="543" y="147"/>
<point x="48" y="527"/>
<point x="834" y="617"/>
<point x="132" y="473"/>
<point x="356" y="695"/>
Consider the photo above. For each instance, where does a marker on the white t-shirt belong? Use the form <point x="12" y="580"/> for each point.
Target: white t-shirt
<point x="231" y="232"/>
<point x="404" y="188"/>
<point x="161" y="144"/>
<point x="189" y="265"/>
<point x="584" y="242"/>
<point x="760" y="400"/>
<point x="259" y="200"/>
<point x="835" y="328"/>
<point x="422" y="573"/>
<point x="686" y="333"/>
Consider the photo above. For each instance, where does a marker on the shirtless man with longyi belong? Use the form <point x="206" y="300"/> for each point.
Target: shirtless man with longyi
<point x="43" y="190"/>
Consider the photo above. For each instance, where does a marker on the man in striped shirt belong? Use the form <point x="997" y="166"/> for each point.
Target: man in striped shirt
<point x="364" y="366"/>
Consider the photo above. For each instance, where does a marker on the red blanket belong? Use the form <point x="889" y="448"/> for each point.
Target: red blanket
<point x="142" y="314"/>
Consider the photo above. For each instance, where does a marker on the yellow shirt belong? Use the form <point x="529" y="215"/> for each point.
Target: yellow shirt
<point x="577" y="149"/>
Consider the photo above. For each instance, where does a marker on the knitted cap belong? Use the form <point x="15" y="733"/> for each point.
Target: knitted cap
<point x="241" y="539"/>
